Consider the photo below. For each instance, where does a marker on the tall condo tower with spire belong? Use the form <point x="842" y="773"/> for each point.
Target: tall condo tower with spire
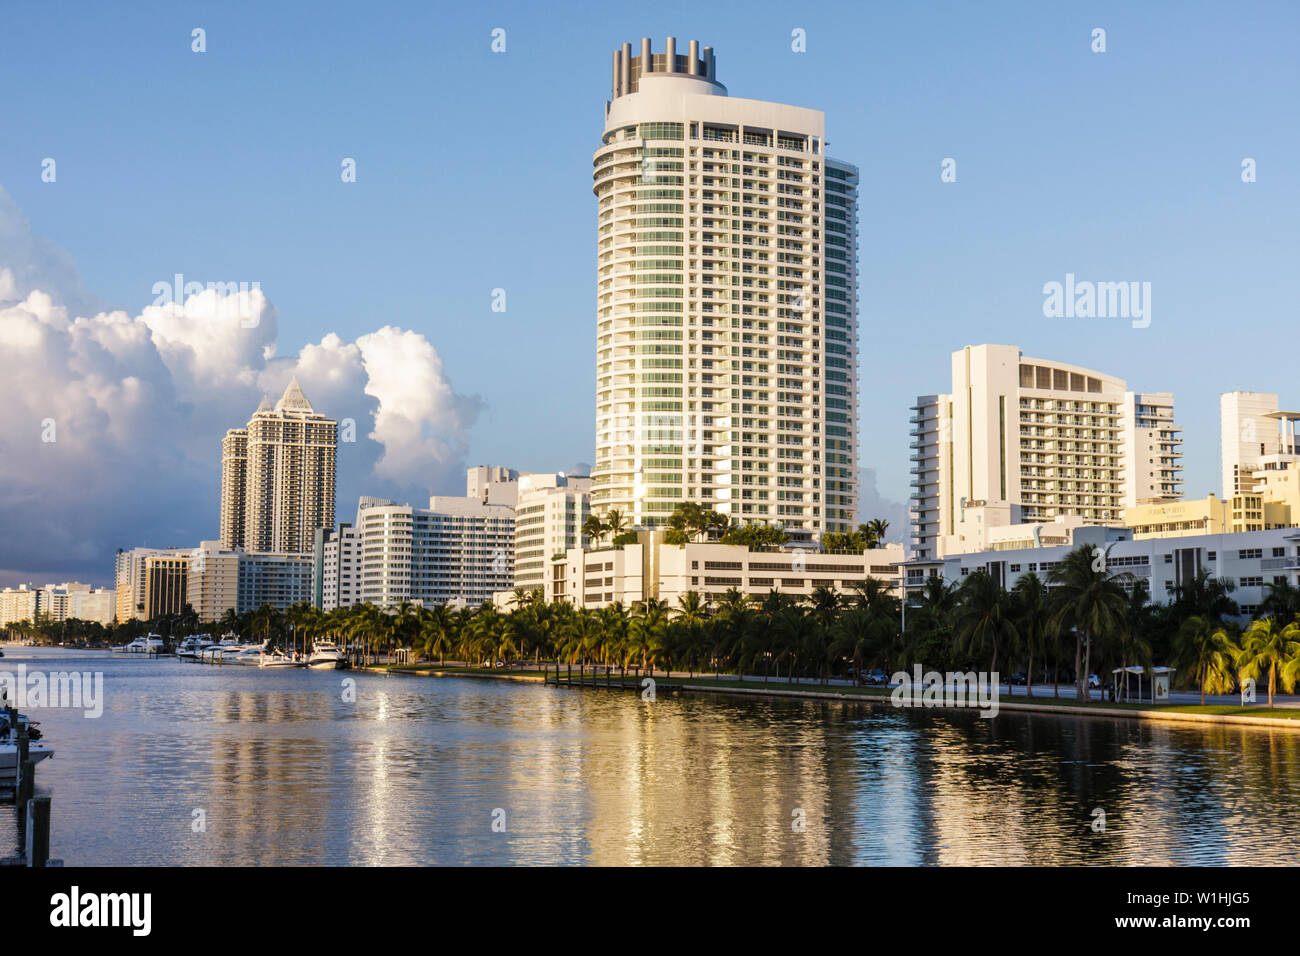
<point x="726" y="303"/>
<point x="277" y="477"/>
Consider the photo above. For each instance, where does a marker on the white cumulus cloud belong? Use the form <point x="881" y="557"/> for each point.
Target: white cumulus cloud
<point x="136" y="406"/>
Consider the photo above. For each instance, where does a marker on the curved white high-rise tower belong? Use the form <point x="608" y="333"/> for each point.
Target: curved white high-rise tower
<point x="726" y="343"/>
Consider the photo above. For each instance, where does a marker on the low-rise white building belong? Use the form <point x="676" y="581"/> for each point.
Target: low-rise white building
<point x="1249" y="559"/>
<point x="652" y="569"/>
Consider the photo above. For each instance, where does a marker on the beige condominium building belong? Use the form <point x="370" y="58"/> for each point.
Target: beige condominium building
<point x="726" y="323"/>
<point x="1153" y="449"/>
<point x="277" y="477"/>
<point x="1257" y="440"/>
<point x="1025" y="441"/>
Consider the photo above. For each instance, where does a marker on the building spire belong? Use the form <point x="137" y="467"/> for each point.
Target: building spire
<point x="264" y="407"/>
<point x="293" y="400"/>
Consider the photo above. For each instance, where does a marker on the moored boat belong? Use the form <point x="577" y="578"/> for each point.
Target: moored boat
<point x="278" y="659"/>
<point x="326" y="655"/>
<point x="9" y="747"/>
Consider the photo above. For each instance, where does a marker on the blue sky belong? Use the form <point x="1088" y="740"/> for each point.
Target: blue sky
<point x="474" y="174"/>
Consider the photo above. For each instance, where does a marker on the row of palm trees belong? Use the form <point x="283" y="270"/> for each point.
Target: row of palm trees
<point x="1077" y="618"/>
<point x="691" y="521"/>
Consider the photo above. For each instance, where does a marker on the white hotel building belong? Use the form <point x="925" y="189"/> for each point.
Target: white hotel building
<point x="458" y="551"/>
<point x="549" y="514"/>
<point x="1022" y="440"/>
<point x="726" y="329"/>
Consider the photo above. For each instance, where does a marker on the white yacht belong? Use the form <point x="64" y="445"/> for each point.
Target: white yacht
<point x="149" y="644"/>
<point x="223" y="651"/>
<point x="191" y="649"/>
<point x="325" y="655"/>
<point x="278" y="659"/>
<point x="249" y="655"/>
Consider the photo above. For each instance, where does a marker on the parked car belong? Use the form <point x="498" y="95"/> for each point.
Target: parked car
<point x="1094" y="680"/>
<point x="1018" y="680"/>
<point x="875" y="677"/>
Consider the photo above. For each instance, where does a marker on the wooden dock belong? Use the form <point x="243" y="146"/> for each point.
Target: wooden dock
<point x="604" y="679"/>
<point x="33" y="811"/>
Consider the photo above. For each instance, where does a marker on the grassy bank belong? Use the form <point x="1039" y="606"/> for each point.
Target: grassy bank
<point x="1212" y="713"/>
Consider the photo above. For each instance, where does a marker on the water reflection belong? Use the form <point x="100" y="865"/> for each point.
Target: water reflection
<point x="416" y="770"/>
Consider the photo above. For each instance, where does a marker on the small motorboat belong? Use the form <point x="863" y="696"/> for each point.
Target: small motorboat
<point x="9" y="747"/>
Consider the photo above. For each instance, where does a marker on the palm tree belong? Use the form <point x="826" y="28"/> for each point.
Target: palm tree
<point x="1269" y="646"/>
<point x="228" y="622"/>
<point x="1032" y="613"/>
<point x="869" y="591"/>
<point x="985" y="616"/>
<point x="646" y="630"/>
<point x="613" y="628"/>
<point x="436" y="632"/>
<point x="1206" y="596"/>
<point x="615" y="523"/>
<point x="1282" y="601"/>
<point x="1207" y="653"/>
<point x="594" y="529"/>
<point x="929" y="626"/>
<point x="1093" y="602"/>
<point x="731" y="622"/>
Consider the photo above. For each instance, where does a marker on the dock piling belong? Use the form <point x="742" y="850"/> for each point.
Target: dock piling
<point x="38" y="831"/>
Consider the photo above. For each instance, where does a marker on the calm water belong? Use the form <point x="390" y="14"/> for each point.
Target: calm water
<point x="413" y="771"/>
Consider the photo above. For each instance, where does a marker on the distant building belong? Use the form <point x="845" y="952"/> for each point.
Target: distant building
<point x="57" y="602"/>
<point x="93" y="604"/>
<point x="456" y="551"/>
<point x="19" y="604"/>
<point x="1252" y="431"/>
<point x="1153" y="448"/>
<point x="214" y="580"/>
<point x="166" y="579"/>
<point x="549" y="515"/>
<point x="230" y="579"/>
<point x="1050" y="439"/>
<point x="129" y="571"/>
<point x="280" y="580"/>
<point x="492" y="485"/>
<point x="278" y="476"/>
